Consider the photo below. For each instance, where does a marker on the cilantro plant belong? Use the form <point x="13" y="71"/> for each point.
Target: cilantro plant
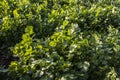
<point x="60" y="40"/>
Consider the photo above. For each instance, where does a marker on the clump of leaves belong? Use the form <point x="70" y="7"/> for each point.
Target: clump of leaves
<point x="65" y="39"/>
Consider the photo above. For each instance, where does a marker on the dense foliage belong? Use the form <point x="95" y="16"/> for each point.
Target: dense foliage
<point x="60" y="39"/>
